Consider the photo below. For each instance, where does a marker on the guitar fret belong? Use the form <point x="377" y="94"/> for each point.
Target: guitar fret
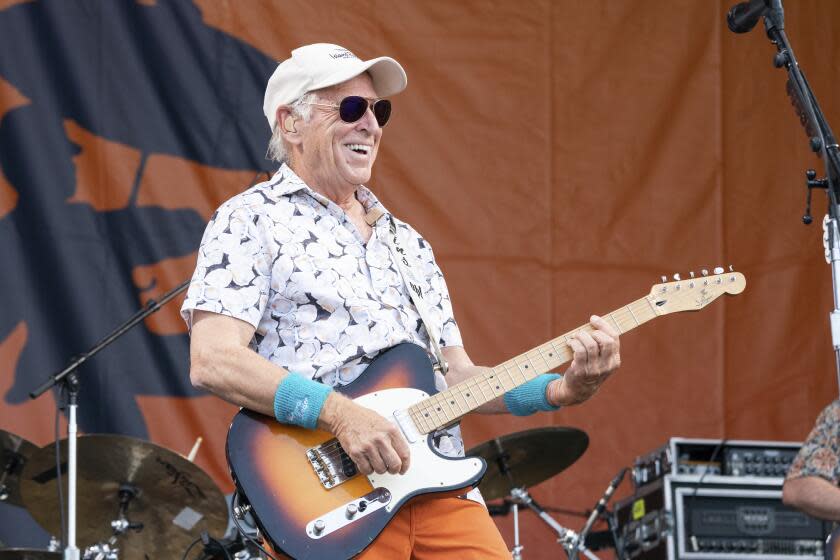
<point x="437" y="410"/>
<point x="463" y="396"/>
<point x="510" y="376"/>
<point x="443" y="404"/>
<point x="454" y="401"/>
<point x="650" y="303"/>
<point x="431" y="411"/>
<point x="480" y="388"/>
<point x="450" y="402"/>
<point x="612" y="316"/>
<point x="424" y="411"/>
<point x="641" y="311"/>
<point x="560" y="352"/>
<point x="624" y="314"/>
<point x="534" y="367"/>
<point x="541" y="351"/>
<point x="522" y="375"/>
<point x="491" y="384"/>
<point x="417" y="419"/>
<point x="633" y="315"/>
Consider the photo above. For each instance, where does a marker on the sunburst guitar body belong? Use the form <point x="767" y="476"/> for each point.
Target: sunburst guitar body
<point x="277" y="468"/>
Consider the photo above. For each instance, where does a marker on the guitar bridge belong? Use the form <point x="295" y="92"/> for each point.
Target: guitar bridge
<point x="331" y="463"/>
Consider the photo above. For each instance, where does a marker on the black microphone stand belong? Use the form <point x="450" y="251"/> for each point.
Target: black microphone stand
<point x="824" y="144"/>
<point x="69" y="378"/>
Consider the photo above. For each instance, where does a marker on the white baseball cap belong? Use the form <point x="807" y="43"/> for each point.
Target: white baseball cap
<point x="322" y="65"/>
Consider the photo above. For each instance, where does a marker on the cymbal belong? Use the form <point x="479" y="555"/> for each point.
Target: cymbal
<point x="14" y="453"/>
<point x="28" y="554"/>
<point x="173" y="498"/>
<point x="531" y="456"/>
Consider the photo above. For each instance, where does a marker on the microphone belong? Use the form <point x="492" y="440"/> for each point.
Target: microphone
<point x="602" y="503"/>
<point x="743" y="17"/>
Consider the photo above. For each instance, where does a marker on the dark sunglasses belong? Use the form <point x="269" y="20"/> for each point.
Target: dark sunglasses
<point x="353" y="107"/>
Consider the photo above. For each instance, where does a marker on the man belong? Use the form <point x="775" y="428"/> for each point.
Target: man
<point x="296" y="291"/>
<point x="811" y="482"/>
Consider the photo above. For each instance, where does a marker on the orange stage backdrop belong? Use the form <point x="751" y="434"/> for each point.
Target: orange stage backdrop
<point x="561" y="156"/>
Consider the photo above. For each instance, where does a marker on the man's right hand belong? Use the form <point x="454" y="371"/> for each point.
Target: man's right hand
<point x="372" y="442"/>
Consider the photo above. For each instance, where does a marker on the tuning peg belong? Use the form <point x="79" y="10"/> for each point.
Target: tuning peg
<point x="664" y="278"/>
<point x="704" y="272"/>
<point x="731" y="268"/>
<point x="718" y="270"/>
<point x="677" y="277"/>
<point x="691" y="274"/>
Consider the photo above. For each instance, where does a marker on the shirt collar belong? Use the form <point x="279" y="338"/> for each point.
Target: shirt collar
<point x="286" y="182"/>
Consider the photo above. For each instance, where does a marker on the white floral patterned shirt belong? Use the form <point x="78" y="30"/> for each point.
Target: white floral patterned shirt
<point x="323" y="302"/>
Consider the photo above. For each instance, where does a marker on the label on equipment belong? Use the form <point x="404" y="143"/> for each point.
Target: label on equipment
<point x="638" y="509"/>
<point x="187" y="518"/>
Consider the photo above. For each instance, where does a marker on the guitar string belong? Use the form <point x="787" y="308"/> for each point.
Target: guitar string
<point x="333" y="449"/>
<point x="429" y="407"/>
<point x="619" y="317"/>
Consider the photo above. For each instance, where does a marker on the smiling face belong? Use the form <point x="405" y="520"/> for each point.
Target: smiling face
<point x="334" y="156"/>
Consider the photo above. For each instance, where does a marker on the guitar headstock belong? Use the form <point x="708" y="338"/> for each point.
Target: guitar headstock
<point x="695" y="292"/>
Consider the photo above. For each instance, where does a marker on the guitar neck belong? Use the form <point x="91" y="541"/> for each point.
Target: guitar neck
<point x="450" y="405"/>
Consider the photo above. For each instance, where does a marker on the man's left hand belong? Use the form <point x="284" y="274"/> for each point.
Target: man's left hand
<point x="596" y="357"/>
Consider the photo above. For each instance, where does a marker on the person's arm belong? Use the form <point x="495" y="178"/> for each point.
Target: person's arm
<point x="813" y="495"/>
<point x="222" y="362"/>
<point x="596" y="357"/>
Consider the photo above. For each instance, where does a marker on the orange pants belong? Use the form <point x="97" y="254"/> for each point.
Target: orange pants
<point x="438" y="528"/>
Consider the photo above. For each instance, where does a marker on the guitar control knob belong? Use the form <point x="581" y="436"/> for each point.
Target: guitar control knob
<point x="319" y="526"/>
<point x="704" y="272"/>
<point x="718" y="270"/>
<point x="677" y="277"/>
<point x="352" y="510"/>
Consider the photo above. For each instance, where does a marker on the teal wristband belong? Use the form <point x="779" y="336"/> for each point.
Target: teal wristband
<point x="531" y="396"/>
<point x="299" y="400"/>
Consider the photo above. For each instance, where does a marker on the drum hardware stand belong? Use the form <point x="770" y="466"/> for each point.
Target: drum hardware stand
<point x="127" y="493"/>
<point x="13" y="465"/>
<point x="567" y="538"/>
<point x="69" y="378"/>
<point x="821" y="140"/>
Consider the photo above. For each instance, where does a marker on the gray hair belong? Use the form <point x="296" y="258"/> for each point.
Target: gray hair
<point x="302" y="109"/>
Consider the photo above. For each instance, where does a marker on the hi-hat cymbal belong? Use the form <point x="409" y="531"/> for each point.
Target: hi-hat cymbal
<point x="530" y="456"/>
<point x="28" y="554"/>
<point x="14" y="453"/>
<point x="173" y="498"/>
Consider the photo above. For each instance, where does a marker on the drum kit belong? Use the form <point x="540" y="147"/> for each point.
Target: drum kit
<point x="136" y="500"/>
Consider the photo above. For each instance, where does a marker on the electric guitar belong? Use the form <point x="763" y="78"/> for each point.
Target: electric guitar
<point x="305" y="493"/>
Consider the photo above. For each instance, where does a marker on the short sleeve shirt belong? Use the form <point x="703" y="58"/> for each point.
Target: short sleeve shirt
<point x="324" y="302"/>
<point x="820" y="454"/>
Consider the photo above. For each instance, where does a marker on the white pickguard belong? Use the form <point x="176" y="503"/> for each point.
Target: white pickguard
<point x="427" y="470"/>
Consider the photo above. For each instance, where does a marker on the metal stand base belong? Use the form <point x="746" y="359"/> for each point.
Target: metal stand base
<point x="568" y="539"/>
